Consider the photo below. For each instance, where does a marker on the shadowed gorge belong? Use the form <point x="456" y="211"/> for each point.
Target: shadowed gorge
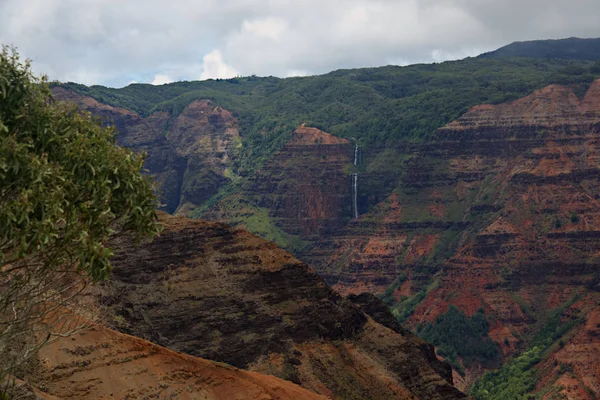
<point x="188" y="156"/>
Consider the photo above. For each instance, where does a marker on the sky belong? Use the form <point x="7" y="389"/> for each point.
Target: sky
<point x="117" y="42"/>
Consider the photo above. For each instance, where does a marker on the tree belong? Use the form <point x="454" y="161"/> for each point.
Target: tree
<point x="66" y="189"/>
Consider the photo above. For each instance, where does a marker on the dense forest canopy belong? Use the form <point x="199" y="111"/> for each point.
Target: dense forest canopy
<point x="376" y="107"/>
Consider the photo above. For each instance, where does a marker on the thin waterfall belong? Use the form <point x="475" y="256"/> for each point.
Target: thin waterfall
<point x="354" y="194"/>
<point x="355" y="185"/>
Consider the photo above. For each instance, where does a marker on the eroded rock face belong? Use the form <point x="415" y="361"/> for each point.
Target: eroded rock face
<point x="503" y="205"/>
<point x="304" y="186"/>
<point x="208" y="290"/>
<point x="188" y="155"/>
<point x="573" y="368"/>
<point x="499" y="210"/>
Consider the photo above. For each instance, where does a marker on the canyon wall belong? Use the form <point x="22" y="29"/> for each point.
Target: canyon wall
<point x="101" y="363"/>
<point x="188" y="155"/>
<point x="210" y="291"/>
<point x="498" y="212"/>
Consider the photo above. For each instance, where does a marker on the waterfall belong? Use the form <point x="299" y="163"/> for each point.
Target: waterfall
<point x="355" y="185"/>
<point x="355" y="194"/>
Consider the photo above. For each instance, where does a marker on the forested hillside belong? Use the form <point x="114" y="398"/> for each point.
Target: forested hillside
<point x="378" y="107"/>
<point x="570" y="49"/>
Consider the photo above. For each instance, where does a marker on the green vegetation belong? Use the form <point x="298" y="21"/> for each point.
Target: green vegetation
<point x="571" y="48"/>
<point x="252" y="218"/>
<point x="407" y="305"/>
<point x="457" y="336"/>
<point x="445" y="247"/>
<point x="260" y="223"/>
<point x="384" y="110"/>
<point x="66" y="188"/>
<point x="514" y="381"/>
<point x="379" y="107"/>
<point x="388" y="296"/>
<point x="517" y="378"/>
<point x="574" y="218"/>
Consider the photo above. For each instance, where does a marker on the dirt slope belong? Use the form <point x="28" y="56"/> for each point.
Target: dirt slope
<point x="104" y="364"/>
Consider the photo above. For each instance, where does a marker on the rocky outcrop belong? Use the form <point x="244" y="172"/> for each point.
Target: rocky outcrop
<point x="210" y="291"/>
<point x="304" y="186"/>
<point x="572" y="369"/>
<point x="303" y="190"/>
<point x="188" y="155"/>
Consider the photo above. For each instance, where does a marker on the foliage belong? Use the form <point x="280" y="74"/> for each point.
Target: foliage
<point x="517" y="378"/>
<point x="574" y="218"/>
<point x="378" y="107"/>
<point x="384" y="110"/>
<point x="456" y="335"/>
<point x="66" y="188"/>
<point x="253" y="218"/>
<point x="407" y="305"/>
<point x="388" y="296"/>
<point x="514" y="381"/>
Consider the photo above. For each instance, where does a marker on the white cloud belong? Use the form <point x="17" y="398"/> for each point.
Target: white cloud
<point x="269" y="28"/>
<point x="214" y="67"/>
<point x="439" y="55"/>
<point x="97" y="42"/>
<point x="161" y="79"/>
<point x="296" y="72"/>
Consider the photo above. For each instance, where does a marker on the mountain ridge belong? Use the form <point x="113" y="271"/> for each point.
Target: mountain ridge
<point x="208" y="290"/>
<point x="569" y="48"/>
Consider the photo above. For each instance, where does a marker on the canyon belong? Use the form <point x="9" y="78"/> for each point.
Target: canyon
<point x="496" y="213"/>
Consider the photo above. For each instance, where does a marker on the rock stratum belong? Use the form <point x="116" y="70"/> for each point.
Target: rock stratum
<point x="497" y="212"/>
<point x="303" y="192"/>
<point x="189" y="155"/>
<point x="208" y="290"/>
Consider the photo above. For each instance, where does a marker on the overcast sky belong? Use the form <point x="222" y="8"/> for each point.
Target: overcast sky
<point x="115" y="42"/>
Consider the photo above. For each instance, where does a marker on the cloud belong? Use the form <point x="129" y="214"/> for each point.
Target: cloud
<point x="214" y="67"/>
<point x="161" y="79"/>
<point x="94" y="41"/>
<point x="295" y="72"/>
<point x="269" y="28"/>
